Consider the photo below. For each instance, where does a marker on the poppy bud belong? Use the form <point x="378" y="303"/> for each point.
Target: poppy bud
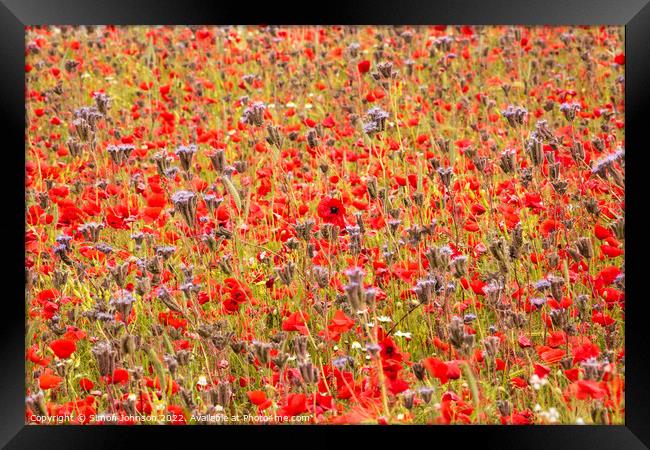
<point x="569" y="110"/>
<point x="303" y="229"/>
<point x="515" y="115"/>
<point x="185" y="155"/>
<point x="534" y="150"/>
<point x="75" y="147"/>
<point x="446" y="174"/>
<point x="91" y="231"/>
<point x="274" y="137"/>
<point x="418" y="370"/>
<point x="459" y="266"/>
<point x="223" y="394"/>
<point x="165" y="296"/>
<point x="507" y="161"/>
<point x="119" y="273"/>
<point x="59" y="278"/>
<point x="491" y="344"/>
<point x="584" y="247"/>
<point x="262" y="351"/>
<point x="618" y="227"/>
<point x="127" y="344"/>
<point x="254" y="114"/>
<point x="408" y="398"/>
<point x="120" y="153"/>
<point x="102" y="101"/>
<point x="329" y="232"/>
<point x="504" y="407"/>
<point x="372" y="187"/>
<point x="123" y="303"/>
<point x="426" y="393"/>
<point x="185" y="203"/>
<point x="106" y="357"/>
<point x="285" y="273"/>
<point x="425" y="290"/>
<point x="162" y="163"/>
<point x="308" y="372"/>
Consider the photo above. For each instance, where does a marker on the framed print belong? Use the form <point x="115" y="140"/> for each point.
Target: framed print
<point x="380" y="218"/>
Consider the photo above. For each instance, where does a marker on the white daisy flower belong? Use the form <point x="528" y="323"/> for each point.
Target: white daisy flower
<point x="403" y="334"/>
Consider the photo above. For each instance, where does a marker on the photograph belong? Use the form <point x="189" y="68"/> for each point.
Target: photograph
<point x="364" y="222"/>
<point x="325" y="224"/>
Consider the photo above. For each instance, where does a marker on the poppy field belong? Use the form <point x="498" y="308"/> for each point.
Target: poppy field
<point x="324" y="225"/>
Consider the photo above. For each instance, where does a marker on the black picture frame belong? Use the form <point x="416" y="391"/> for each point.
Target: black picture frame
<point x="16" y="14"/>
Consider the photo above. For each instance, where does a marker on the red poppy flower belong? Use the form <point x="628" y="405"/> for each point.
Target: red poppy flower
<point x="48" y="380"/>
<point x="296" y="322"/>
<point x="331" y="210"/>
<point x="296" y="404"/>
<point x="63" y="348"/>
<point x="363" y="66"/>
<point x="256" y="397"/>
<point x="340" y="323"/>
<point x="259" y="399"/>
<point x="120" y="376"/>
<point x="86" y="384"/>
<point x="442" y="370"/>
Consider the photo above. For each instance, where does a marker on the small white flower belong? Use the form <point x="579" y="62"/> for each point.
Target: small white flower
<point x="403" y="334"/>
<point x="218" y="408"/>
<point x="308" y="106"/>
<point x="400" y="416"/>
<point x="336" y="348"/>
<point x="202" y="381"/>
<point x="537" y="382"/>
<point x="538" y="407"/>
<point x="132" y="397"/>
<point x="356" y="345"/>
<point x="384" y="319"/>
<point x="291" y="105"/>
<point x="580" y="421"/>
